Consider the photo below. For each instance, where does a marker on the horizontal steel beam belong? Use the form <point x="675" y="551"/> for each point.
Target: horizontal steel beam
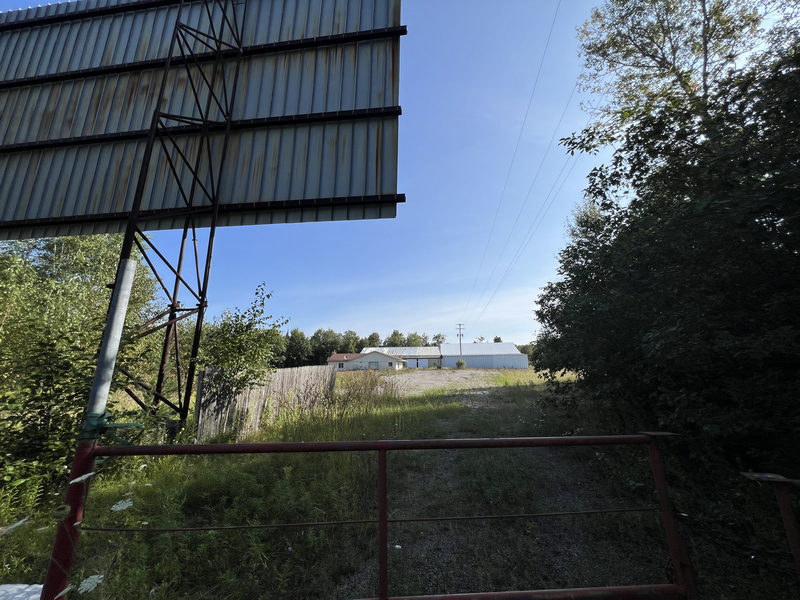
<point x="259" y="123"/>
<point x="91" y="13"/>
<point x="257" y="50"/>
<point x="664" y="591"/>
<point x="365" y="446"/>
<point x="224" y="209"/>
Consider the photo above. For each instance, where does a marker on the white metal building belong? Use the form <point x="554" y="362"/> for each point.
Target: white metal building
<point x="366" y="360"/>
<point x="501" y="355"/>
<point x="416" y="357"/>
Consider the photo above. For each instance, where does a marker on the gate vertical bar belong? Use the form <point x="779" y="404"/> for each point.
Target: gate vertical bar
<point x="677" y="549"/>
<point x="68" y="530"/>
<point x="383" y="528"/>
<point x="782" y="493"/>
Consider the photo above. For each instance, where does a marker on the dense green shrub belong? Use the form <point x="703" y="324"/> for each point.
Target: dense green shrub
<point x="53" y="301"/>
<point x="676" y="303"/>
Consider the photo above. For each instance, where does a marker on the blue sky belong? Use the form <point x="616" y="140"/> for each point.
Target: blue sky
<point x="467" y="71"/>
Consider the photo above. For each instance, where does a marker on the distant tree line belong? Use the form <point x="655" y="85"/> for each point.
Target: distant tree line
<point x="296" y="349"/>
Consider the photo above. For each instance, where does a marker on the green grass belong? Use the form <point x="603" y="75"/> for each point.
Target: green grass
<point x="331" y="562"/>
<point x="230" y="490"/>
<point x="524" y="377"/>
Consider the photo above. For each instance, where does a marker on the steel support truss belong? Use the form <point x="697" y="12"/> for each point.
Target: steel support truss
<point x="196" y="163"/>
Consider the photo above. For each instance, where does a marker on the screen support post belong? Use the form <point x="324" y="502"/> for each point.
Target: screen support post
<point x="197" y="170"/>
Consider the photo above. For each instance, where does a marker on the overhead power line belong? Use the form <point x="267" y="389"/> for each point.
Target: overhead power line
<point x="528" y="193"/>
<point x="545" y="206"/>
<point x="513" y="157"/>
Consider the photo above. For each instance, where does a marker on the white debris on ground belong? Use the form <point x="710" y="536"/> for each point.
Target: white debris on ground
<point x="20" y="591"/>
<point x="122" y="505"/>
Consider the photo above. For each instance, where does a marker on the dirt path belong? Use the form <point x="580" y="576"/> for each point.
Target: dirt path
<point x="438" y="557"/>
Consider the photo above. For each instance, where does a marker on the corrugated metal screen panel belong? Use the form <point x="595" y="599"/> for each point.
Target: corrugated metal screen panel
<point x="327" y="79"/>
<point x="267" y="165"/>
<point x="57" y="8"/>
<point x="271" y="216"/>
<point x="331" y="164"/>
<point x="145" y="34"/>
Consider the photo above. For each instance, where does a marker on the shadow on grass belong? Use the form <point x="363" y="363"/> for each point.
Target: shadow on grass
<point x="234" y="490"/>
<point x="318" y="562"/>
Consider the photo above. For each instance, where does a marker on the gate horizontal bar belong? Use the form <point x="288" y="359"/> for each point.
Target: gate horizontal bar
<point x="664" y="591"/>
<point x="571" y="513"/>
<point x="365" y="446"/>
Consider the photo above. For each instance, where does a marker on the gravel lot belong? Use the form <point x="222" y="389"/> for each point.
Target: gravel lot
<point x="417" y="381"/>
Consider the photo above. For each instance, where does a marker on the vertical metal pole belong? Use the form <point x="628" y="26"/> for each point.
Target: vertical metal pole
<point x="68" y="530"/>
<point x="67" y="533"/>
<point x="677" y="549"/>
<point x="63" y="556"/>
<point x="789" y="520"/>
<point x="383" y="528"/>
<point x="198" y="405"/>
<point x="109" y="347"/>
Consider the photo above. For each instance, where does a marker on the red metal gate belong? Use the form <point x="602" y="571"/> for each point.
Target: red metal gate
<point x="682" y="588"/>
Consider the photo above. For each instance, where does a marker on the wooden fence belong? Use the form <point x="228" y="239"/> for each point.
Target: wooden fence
<point x="297" y="389"/>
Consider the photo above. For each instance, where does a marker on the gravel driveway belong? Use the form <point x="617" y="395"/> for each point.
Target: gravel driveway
<point x="417" y="381"/>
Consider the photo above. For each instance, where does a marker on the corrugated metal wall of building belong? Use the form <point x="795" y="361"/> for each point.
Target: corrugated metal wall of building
<point x="488" y="361"/>
<point x="316" y="122"/>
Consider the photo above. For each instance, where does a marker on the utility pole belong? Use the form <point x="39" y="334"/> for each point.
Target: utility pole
<point x="460" y="335"/>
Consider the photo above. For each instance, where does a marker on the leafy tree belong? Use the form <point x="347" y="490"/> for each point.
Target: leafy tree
<point x="676" y="288"/>
<point x="351" y="343"/>
<point x="53" y="303"/>
<point x="298" y="349"/>
<point x="324" y="342"/>
<point x="414" y="339"/>
<point x="277" y="342"/>
<point x="395" y="339"/>
<point x="645" y="56"/>
<point x="241" y="346"/>
<point x="497" y="339"/>
<point x="526" y="349"/>
<point x="438" y="339"/>
<point x="373" y="340"/>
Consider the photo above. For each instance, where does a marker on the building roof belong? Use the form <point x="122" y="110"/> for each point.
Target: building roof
<point x="407" y="351"/>
<point x="343" y="357"/>
<point x="394" y="357"/>
<point x="480" y="349"/>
